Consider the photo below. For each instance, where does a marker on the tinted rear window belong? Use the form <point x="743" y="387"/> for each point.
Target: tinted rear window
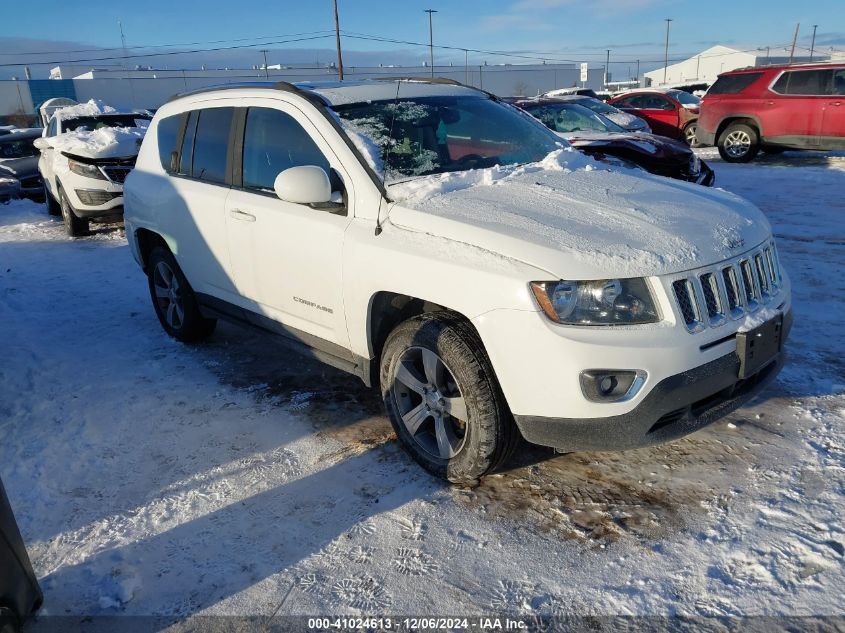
<point x="733" y="84"/>
<point x="212" y="144"/>
<point x="168" y="130"/>
<point x="804" y="82"/>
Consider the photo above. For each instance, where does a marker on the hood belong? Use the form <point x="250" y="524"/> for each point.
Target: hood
<point x="656" y="146"/>
<point x="587" y="223"/>
<point x="628" y="121"/>
<point x="19" y="167"/>
<point x="106" y="142"/>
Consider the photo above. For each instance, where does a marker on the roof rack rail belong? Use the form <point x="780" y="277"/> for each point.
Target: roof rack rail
<point x="272" y="85"/>
<point x="424" y="80"/>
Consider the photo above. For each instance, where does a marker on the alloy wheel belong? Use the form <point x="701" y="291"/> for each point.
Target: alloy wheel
<point x="737" y="144"/>
<point x="690" y="135"/>
<point x="430" y="402"/>
<point x="168" y="294"/>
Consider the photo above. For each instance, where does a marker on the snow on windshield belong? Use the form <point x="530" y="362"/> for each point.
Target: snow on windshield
<point x="432" y="135"/>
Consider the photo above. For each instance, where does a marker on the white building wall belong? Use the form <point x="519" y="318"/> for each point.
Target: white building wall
<point x="704" y="67"/>
<point x="15" y="97"/>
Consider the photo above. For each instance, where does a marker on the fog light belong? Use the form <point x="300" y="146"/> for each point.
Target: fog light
<point x="611" y="385"/>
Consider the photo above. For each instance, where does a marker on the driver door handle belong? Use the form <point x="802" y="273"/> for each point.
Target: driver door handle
<point x="241" y="215"/>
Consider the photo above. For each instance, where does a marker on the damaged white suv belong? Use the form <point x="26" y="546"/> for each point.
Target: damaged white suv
<point x="87" y="150"/>
<point x="494" y="283"/>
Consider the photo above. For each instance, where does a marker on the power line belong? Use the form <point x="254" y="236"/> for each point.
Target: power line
<point x="149" y="46"/>
<point x="167" y="53"/>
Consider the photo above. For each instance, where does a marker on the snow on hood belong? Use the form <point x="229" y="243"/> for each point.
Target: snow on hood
<point x="106" y="142"/>
<point x="573" y="218"/>
<point x="92" y="107"/>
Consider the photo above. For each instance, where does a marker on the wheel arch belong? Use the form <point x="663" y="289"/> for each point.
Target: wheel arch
<point x="748" y="119"/>
<point x="146" y="240"/>
<point x="388" y="309"/>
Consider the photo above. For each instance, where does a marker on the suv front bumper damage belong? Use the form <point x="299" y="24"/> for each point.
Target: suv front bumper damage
<point x="675" y="407"/>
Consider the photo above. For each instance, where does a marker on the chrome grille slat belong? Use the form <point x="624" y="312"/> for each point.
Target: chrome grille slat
<point x="708" y="297"/>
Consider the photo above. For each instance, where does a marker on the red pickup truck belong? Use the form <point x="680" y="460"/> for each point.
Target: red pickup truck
<point x="774" y="108"/>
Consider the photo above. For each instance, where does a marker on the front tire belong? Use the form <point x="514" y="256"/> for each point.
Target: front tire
<point x="53" y="207"/>
<point x="174" y="300"/>
<point x="75" y="226"/>
<point x="738" y="143"/>
<point x="443" y="399"/>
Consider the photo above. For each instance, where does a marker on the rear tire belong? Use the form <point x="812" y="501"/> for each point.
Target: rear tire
<point x="53" y="207"/>
<point x="443" y="399"/>
<point x="75" y="226"/>
<point x="738" y="143"/>
<point x="689" y="134"/>
<point x="174" y="300"/>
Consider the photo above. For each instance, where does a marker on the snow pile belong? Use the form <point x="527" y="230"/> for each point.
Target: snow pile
<point x="93" y="107"/>
<point x="105" y="141"/>
<point x="562" y="160"/>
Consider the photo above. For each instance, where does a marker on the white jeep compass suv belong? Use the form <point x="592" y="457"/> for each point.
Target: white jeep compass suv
<point x="493" y="282"/>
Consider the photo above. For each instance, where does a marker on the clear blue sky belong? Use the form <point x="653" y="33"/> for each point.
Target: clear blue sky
<point x="563" y="29"/>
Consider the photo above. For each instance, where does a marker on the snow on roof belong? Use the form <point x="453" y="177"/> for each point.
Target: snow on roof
<point x="342" y="93"/>
<point x="93" y="107"/>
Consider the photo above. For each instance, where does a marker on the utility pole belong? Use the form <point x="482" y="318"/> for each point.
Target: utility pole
<point x="466" y="67"/>
<point x="666" y="55"/>
<point x="337" y="41"/>
<point x="794" y="40"/>
<point x="638" y="72"/>
<point x="431" y="39"/>
<point x="266" y="71"/>
<point x="813" y="45"/>
<point x="607" y="69"/>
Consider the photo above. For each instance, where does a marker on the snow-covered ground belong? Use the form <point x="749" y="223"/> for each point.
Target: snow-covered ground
<point x="232" y="478"/>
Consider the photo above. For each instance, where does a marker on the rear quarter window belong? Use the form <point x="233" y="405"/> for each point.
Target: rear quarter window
<point x="804" y="82"/>
<point x="168" y="131"/>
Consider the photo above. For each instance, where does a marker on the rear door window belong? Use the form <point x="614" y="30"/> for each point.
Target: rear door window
<point x="839" y="81"/>
<point x="733" y="84"/>
<point x="211" y="146"/>
<point x="804" y="82"/>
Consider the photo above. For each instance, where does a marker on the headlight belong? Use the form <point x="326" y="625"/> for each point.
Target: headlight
<point x="694" y="165"/>
<point x="601" y="302"/>
<point x="83" y="169"/>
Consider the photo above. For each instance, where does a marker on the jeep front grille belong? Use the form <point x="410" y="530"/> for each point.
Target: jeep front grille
<point x="710" y="296"/>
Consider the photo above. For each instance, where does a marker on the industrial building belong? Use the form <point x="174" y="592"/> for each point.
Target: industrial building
<point x="707" y="65"/>
<point x="148" y="88"/>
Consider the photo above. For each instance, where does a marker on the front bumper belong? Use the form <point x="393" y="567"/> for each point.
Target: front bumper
<point x="676" y="406"/>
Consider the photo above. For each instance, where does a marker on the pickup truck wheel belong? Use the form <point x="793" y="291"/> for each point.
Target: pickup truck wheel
<point x="174" y="301"/>
<point x="53" y="207"/>
<point x="75" y="226"/>
<point x="738" y="143"/>
<point x="443" y="398"/>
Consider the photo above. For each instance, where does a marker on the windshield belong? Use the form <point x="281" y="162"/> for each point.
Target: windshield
<point x="22" y="148"/>
<point x="596" y="105"/>
<point x="566" y="118"/>
<point x="686" y="98"/>
<point x="433" y="135"/>
<point x="91" y="123"/>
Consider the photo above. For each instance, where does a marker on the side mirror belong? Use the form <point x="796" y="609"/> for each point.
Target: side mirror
<point x="42" y="143"/>
<point x="307" y="184"/>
